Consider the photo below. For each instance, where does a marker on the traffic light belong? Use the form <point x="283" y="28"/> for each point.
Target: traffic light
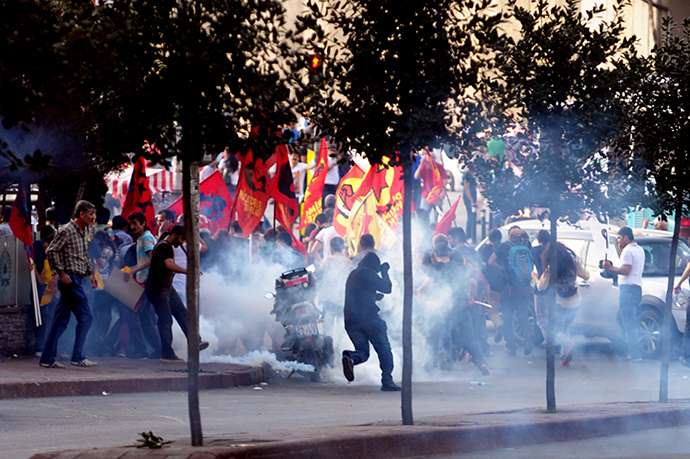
<point x="316" y="74"/>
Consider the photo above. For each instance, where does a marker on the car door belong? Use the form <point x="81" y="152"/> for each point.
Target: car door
<point x="597" y="315"/>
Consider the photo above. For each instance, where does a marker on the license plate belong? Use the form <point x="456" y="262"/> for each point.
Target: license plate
<point x="306" y="330"/>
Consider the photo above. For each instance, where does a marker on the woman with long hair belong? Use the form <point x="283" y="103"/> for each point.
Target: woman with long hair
<point x="568" y="299"/>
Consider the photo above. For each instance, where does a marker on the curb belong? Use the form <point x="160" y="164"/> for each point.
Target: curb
<point x="431" y="437"/>
<point x="57" y="388"/>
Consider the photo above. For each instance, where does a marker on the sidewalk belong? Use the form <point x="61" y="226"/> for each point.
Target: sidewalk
<point x="433" y="436"/>
<point x="23" y="377"/>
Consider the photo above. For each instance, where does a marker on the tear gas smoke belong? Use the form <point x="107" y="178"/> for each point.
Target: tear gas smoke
<point x="236" y="319"/>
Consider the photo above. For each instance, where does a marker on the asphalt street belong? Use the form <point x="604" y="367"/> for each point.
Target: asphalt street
<point x="669" y="443"/>
<point x="48" y="424"/>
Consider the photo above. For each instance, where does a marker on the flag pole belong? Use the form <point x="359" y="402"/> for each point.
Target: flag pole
<point x="34" y="291"/>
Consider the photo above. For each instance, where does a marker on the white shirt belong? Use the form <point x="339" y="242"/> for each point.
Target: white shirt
<point x="205" y="172"/>
<point x="333" y="175"/>
<point x="632" y="255"/>
<point x="324" y="237"/>
<point x="180" y="280"/>
<point x="298" y="179"/>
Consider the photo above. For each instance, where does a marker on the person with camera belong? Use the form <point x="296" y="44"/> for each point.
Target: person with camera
<point x="362" y="322"/>
<point x="630" y="280"/>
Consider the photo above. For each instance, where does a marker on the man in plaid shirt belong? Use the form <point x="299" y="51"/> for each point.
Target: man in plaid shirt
<point x="68" y="256"/>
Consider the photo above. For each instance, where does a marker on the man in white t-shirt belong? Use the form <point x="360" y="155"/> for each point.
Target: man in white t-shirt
<point x="630" y="280"/>
<point x="298" y="171"/>
<point x="323" y="241"/>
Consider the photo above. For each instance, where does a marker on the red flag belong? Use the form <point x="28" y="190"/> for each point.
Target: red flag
<point x="253" y="191"/>
<point x="215" y="202"/>
<point x="389" y="189"/>
<point x="139" y="196"/>
<point x="433" y="194"/>
<point x="283" y="190"/>
<point x="20" y="222"/>
<point x="345" y="198"/>
<point x="313" y="204"/>
<point x="446" y="222"/>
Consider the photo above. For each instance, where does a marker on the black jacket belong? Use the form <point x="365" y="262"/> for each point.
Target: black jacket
<point x="361" y="289"/>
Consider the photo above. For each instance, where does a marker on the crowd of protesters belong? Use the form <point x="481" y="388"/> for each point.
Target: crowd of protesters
<point x="457" y="289"/>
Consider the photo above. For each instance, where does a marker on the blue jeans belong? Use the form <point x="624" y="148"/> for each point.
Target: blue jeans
<point x="374" y="332"/>
<point x="72" y="301"/>
<point x="629" y="298"/>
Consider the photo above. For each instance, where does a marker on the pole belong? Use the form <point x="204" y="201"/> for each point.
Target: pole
<point x="190" y="183"/>
<point x="406" y="394"/>
<point x="668" y="309"/>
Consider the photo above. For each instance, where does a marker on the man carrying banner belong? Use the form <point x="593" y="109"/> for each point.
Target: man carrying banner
<point x="68" y="255"/>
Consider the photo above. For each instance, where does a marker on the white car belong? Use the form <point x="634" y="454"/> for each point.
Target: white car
<point x="597" y="315"/>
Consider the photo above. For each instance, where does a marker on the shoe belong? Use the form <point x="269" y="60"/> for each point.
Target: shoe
<point x="173" y="359"/>
<point x="484" y="369"/>
<point x="120" y="353"/>
<point x="564" y="363"/>
<point x="55" y="364"/>
<point x="499" y="334"/>
<point x="137" y="355"/>
<point x="391" y="387"/>
<point x="529" y="347"/>
<point x="628" y="358"/>
<point x="568" y="356"/>
<point x="348" y="368"/>
<point x="203" y="345"/>
<point x="86" y="363"/>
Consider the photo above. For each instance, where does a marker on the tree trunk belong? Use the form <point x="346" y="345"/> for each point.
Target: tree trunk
<point x="190" y="192"/>
<point x="668" y="312"/>
<point x="406" y="394"/>
<point x="550" y="330"/>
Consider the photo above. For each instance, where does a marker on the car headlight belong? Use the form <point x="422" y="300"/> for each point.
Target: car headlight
<point x="681" y="300"/>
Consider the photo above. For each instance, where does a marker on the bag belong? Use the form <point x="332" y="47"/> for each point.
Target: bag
<point x="565" y="284"/>
<point x="495" y="276"/>
<point x="521" y="264"/>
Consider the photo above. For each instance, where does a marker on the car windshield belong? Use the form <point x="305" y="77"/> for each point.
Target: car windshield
<point x="657" y="255"/>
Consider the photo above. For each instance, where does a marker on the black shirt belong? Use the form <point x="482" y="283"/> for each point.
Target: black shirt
<point x="360" y="292"/>
<point x="160" y="277"/>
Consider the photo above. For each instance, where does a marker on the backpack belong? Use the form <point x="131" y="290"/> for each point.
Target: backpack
<point x="565" y="284"/>
<point x="521" y="264"/>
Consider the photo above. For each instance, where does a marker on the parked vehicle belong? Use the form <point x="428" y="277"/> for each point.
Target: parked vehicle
<point x="597" y="315"/>
<point x="295" y="310"/>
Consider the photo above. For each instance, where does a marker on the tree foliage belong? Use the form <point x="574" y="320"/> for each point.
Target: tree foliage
<point x="560" y="80"/>
<point x="394" y="69"/>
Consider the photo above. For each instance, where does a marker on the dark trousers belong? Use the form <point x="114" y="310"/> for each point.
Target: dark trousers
<point x="72" y="301"/>
<point x="374" y="332"/>
<point x="168" y="304"/>
<point x="629" y="298"/>
<point x="463" y="335"/>
<point x="515" y="304"/>
<point x="141" y="325"/>
<point x="471" y="230"/>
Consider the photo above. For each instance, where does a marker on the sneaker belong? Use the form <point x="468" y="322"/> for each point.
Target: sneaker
<point x="391" y="387"/>
<point x="55" y="364"/>
<point x="348" y="368"/>
<point x="86" y="363"/>
<point x="484" y="369"/>
<point x="173" y="359"/>
<point x="564" y="363"/>
<point x="499" y="334"/>
<point x="568" y="356"/>
<point x="203" y="345"/>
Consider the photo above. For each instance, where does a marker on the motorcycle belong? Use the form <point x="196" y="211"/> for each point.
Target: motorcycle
<point x="295" y="310"/>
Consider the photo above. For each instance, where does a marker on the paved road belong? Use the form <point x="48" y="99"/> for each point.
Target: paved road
<point x="28" y="426"/>
<point x="670" y="443"/>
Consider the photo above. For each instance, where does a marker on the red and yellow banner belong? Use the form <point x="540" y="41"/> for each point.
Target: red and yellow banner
<point x="253" y="192"/>
<point x="313" y="200"/>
